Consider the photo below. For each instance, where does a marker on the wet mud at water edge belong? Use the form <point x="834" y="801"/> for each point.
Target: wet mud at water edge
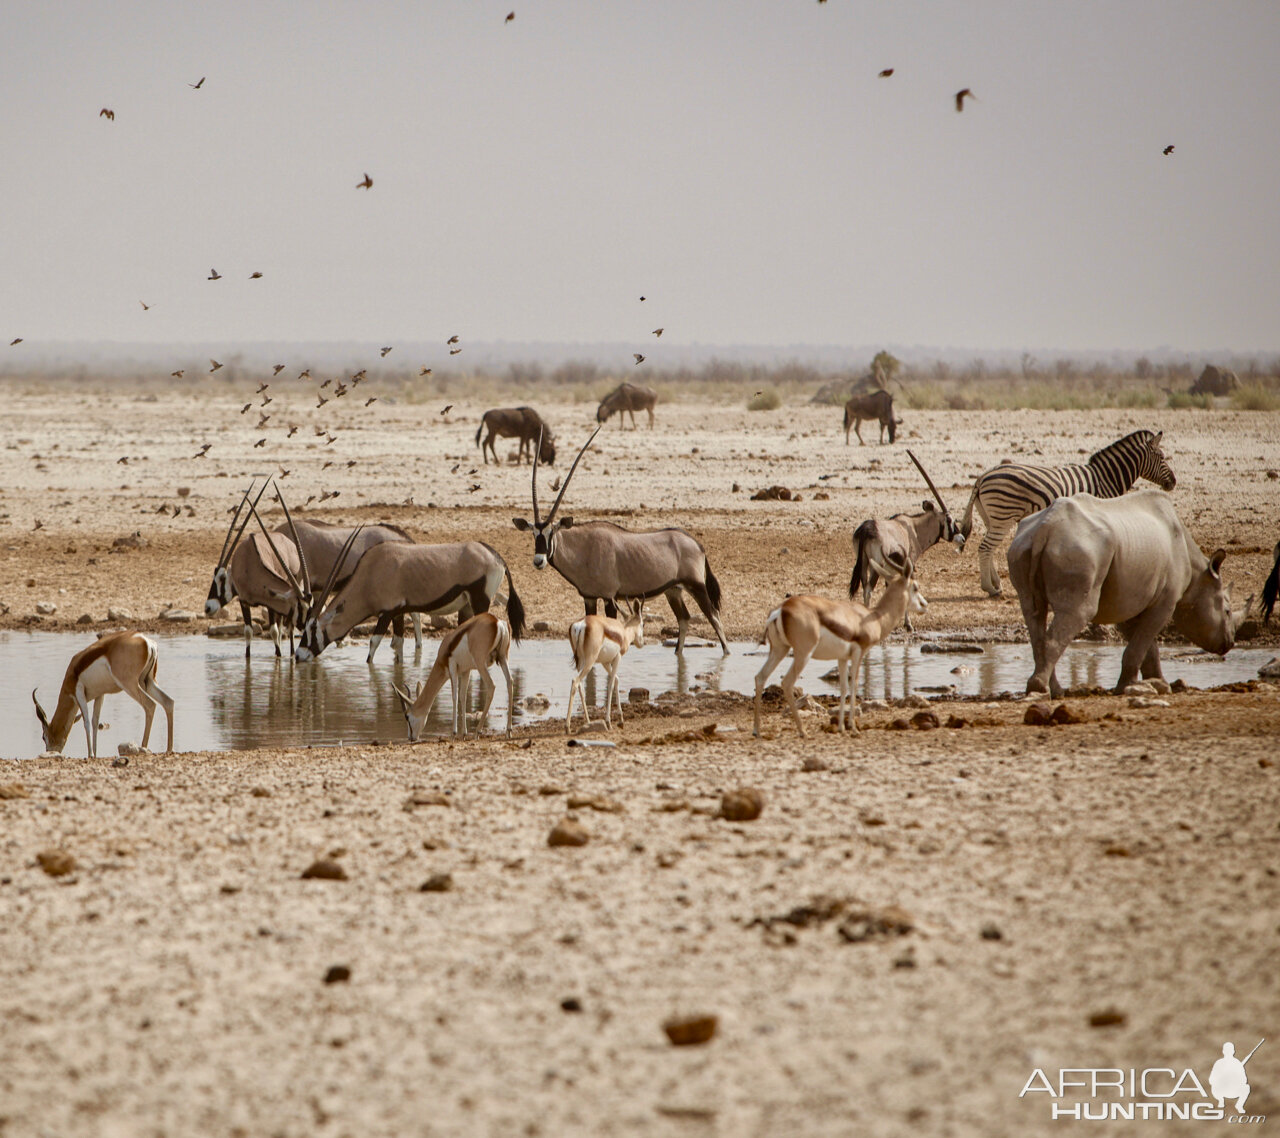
<point x="224" y="702"/>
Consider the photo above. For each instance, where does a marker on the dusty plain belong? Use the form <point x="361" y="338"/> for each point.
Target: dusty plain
<point x="172" y="983"/>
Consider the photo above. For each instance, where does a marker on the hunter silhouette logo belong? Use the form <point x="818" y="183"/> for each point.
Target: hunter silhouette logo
<point x="1096" y="1094"/>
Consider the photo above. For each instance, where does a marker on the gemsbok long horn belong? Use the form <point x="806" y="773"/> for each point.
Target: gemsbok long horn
<point x="928" y="482"/>
<point x="229" y="545"/>
<point x="319" y="604"/>
<point x="565" y="485"/>
<point x="302" y="557"/>
<point x="284" y="565"/>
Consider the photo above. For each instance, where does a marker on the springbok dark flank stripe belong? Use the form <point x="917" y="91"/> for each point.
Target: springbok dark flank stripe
<point x="1009" y="492"/>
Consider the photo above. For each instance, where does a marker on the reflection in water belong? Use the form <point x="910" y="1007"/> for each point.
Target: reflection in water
<point x="224" y="701"/>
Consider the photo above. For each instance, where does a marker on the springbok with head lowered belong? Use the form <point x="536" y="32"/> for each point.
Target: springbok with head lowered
<point x="901" y="536"/>
<point x="475" y="645"/>
<point x="603" y="561"/>
<point x="393" y="579"/>
<point x="815" y="628"/>
<point x="602" y="640"/>
<point x="1008" y="492"/>
<point x="120" y="661"/>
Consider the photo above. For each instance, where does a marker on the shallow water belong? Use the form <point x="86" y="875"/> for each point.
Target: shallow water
<point x="224" y="702"/>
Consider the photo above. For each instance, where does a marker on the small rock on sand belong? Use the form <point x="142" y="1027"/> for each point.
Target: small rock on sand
<point x="437" y="883"/>
<point x="873" y="924"/>
<point x="568" y="832"/>
<point x="1038" y="715"/>
<point x="1109" y="1017"/>
<point x="813" y="763"/>
<point x="46" y="608"/>
<point x="337" y="974"/>
<point x="1141" y="701"/>
<point x="742" y="805"/>
<point x="688" y="1031"/>
<point x="925" y="720"/>
<point x="324" y="870"/>
<point x="13" y="790"/>
<point x="56" y="863"/>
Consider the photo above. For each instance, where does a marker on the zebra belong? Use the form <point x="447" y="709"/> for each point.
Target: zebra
<point x="1008" y="492"/>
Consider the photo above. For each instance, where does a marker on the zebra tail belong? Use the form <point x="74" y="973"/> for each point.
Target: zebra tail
<point x="966" y="524"/>
<point x="1271" y="590"/>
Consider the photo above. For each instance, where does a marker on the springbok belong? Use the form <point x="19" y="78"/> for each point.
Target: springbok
<point x="603" y="561"/>
<point x="626" y="399"/>
<point x="475" y="645"/>
<point x="602" y="640"/>
<point x="906" y="535"/>
<point x="120" y="661"/>
<point x="523" y="423"/>
<point x="821" y="629"/>
<point x="876" y="405"/>
<point x="393" y="579"/>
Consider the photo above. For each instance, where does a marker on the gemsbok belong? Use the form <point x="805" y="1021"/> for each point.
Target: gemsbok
<point x="523" y="423"/>
<point x="602" y="640"/>
<point x="474" y="646"/>
<point x="393" y="579"/>
<point x="627" y="398"/>
<point x="1009" y="492"/>
<point x="603" y="561"/>
<point x="904" y="535"/>
<point x="815" y="628"/>
<point x="120" y="661"/>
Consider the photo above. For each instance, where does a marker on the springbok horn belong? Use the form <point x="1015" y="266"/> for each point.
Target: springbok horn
<point x="302" y="557"/>
<point x="536" y="453"/>
<point x="271" y="541"/>
<point x="39" y="709"/>
<point x="565" y="486"/>
<point x="404" y="695"/>
<point x="928" y="481"/>
<point x="226" y="543"/>
<point x="337" y="568"/>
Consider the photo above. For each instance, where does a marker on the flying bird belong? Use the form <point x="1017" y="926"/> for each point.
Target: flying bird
<point x="327" y="494"/>
<point x="473" y="487"/>
<point x="123" y="461"/>
<point x="424" y="371"/>
<point x="331" y="440"/>
<point x="359" y="375"/>
<point x="510" y="16"/>
<point x="455" y="467"/>
<point x="293" y="430"/>
<point x="283" y="474"/>
<point x="14" y="342"/>
<point x="961" y="95"/>
<point x="321" y="401"/>
<point x="340" y="391"/>
<point x="658" y="331"/>
<point x="108" y="114"/>
<point x="265" y="400"/>
<point x="452" y="340"/>
<point x="384" y="352"/>
<point x="305" y="373"/>
<point x="259" y="443"/>
<point x="319" y="432"/>
<point x="328" y="463"/>
<point x="262" y="387"/>
<point x="255" y="276"/>
<point x="177" y="374"/>
<point x="245" y="408"/>
<point x="367" y="184"/>
<point x="1167" y="151"/>
<point x="215" y="367"/>
<point x="455" y="351"/>
<point x="145" y="305"/>
<point x="642" y="298"/>
<point x="277" y="369"/>
<point x="351" y="463"/>
<point x="371" y="399"/>
<point x="214" y="275"/>
<point x="447" y="409"/>
<point x="885" y="73"/>
<point x="197" y="86"/>
<point x="263" y="420"/>
<point x="326" y="383"/>
<point x="202" y="451"/>
<point x="39" y="524"/>
<point x="639" y="358"/>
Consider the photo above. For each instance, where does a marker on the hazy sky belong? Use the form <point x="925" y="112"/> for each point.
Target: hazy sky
<point x="738" y="162"/>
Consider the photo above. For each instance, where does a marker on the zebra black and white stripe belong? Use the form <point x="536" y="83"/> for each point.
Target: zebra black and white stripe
<point x="1009" y="492"/>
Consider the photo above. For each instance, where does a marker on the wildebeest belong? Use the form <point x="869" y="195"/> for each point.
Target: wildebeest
<point x="624" y="398"/>
<point x="523" y="423"/>
<point x="1271" y="590"/>
<point x="606" y="562"/>
<point x="876" y="405"/>
<point x="1013" y="490"/>
<point x="1216" y="381"/>
<point x="1125" y="561"/>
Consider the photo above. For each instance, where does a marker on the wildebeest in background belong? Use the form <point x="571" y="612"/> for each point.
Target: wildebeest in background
<point x="1216" y="381"/>
<point x="523" y="423"/>
<point x="1125" y="561"/>
<point x="876" y="405"/>
<point x="1271" y="590"/>
<point x="627" y="397"/>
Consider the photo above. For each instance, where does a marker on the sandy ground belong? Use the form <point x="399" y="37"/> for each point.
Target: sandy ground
<point x="172" y="983"/>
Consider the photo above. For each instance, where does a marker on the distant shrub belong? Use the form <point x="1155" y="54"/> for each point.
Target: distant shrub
<point x="1138" y="397"/>
<point x="766" y="400"/>
<point x="1183" y="400"/>
<point x="1255" y="397"/>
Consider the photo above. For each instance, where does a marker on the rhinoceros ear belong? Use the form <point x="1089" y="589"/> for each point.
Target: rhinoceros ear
<point x="1215" y="562"/>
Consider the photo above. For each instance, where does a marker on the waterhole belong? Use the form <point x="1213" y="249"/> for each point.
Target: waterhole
<point x="225" y="702"/>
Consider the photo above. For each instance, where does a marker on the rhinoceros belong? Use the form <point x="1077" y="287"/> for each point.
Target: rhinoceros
<point x="1126" y="561"/>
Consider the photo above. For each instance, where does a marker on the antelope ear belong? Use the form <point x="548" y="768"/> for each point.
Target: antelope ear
<point x="566" y="523"/>
<point x="1215" y="562"/>
<point x="928" y="505"/>
<point x="521" y="524"/>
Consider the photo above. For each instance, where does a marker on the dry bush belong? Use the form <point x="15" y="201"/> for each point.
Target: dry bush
<point x="1255" y="397"/>
<point x="766" y="400"/>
